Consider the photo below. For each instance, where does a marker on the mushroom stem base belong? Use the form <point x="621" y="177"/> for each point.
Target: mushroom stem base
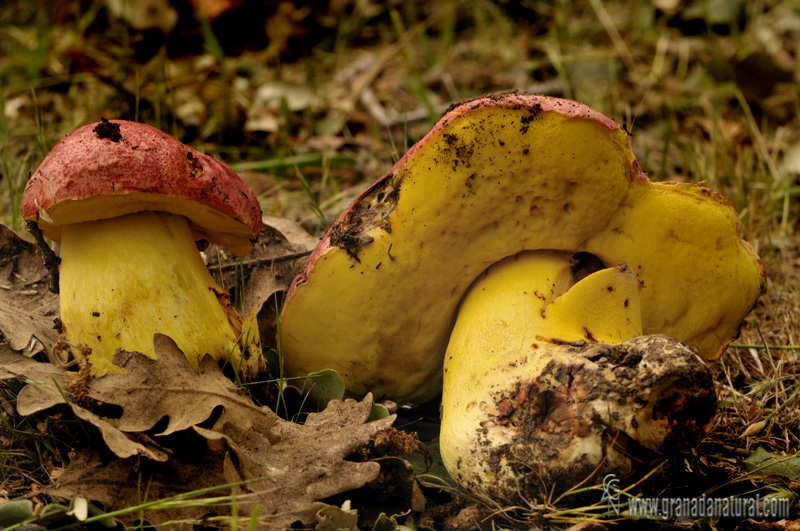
<point x="593" y="410"/>
<point x="127" y="278"/>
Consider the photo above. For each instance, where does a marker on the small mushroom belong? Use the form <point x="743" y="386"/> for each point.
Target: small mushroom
<point x="571" y="303"/>
<point x="127" y="204"/>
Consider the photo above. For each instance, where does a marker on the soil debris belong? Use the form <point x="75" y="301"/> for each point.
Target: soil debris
<point x="110" y="130"/>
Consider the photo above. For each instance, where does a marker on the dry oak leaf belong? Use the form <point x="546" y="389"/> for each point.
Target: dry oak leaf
<point x="168" y="387"/>
<point x="296" y="465"/>
<point x="119" y="484"/>
<point x="150" y="391"/>
<point x="15" y="365"/>
<point x="45" y="390"/>
<point x="301" y="463"/>
<point x="278" y="255"/>
<point x="27" y="307"/>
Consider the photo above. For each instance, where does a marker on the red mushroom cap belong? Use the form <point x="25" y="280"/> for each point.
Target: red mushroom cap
<point x="113" y="168"/>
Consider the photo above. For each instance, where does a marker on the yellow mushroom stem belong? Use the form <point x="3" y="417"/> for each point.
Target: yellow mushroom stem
<point x="127" y="278"/>
<point x="546" y="383"/>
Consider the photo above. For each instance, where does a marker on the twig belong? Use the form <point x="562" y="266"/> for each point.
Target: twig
<point x="268" y="261"/>
<point x="770" y="347"/>
<point x="51" y="259"/>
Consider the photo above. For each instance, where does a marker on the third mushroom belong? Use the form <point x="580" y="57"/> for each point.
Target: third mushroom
<point x="518" y="254"/>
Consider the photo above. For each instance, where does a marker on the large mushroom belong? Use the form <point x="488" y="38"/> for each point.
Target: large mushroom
<point x="378" y="300"/>
<point x="498" y="175"/>
<point x="127" y="203"/>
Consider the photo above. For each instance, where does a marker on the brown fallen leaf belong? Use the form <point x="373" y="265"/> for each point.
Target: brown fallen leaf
<point x="15" y="365"/>
<point x="296" y="465"/>
<point x="27" y="307"/>
<point x="301" y="464"/>
<point x="150" y="391"/>
<point x="277" y="257"/>
<point x="121" y="483"/>
<point x="294" y="233"/>
<point x="169" y="388"/>
<point x="122" y="444"/>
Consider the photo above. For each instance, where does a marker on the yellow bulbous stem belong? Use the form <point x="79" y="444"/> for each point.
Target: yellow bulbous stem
<point x="523" y="313"/>
<point x="493" y="344"/>
<point x="127" y="278"/>
<point x="497" y="317"/>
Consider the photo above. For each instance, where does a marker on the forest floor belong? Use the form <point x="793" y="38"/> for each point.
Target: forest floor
<point x="311" y="102"/>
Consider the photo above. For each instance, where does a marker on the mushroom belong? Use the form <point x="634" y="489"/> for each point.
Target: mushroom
<point x="549" y="383"/>
<point x="588" y="354"/>
<point x="127" y="204"/>
<point x="498" y="175"/>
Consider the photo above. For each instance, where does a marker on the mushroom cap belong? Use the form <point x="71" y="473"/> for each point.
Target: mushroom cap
<point x="496" y="176"/>
<point x="112" y="168"/>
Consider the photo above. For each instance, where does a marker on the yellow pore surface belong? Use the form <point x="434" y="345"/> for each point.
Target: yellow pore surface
<point x="127" y="278"/>
<point x="490" y="184"/>
<point x="700" y="280"/>
<point x="207" y="223"/>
